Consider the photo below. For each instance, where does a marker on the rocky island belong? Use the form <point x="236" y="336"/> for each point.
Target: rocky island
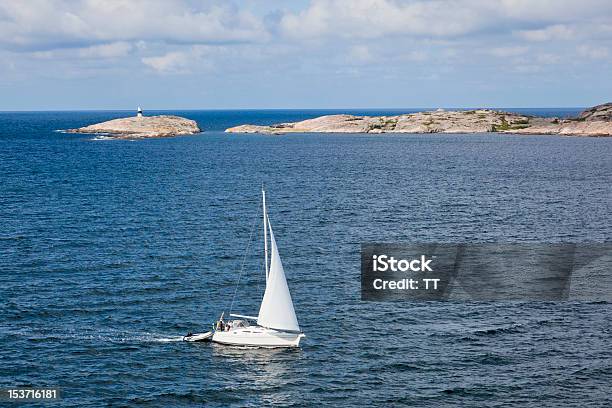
<point x="596" y="121"/>
<point x="140" y="127"/>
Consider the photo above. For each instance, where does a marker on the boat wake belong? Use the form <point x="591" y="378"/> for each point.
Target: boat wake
<point x="93" y="336"/>
<point x="169" y="339"/>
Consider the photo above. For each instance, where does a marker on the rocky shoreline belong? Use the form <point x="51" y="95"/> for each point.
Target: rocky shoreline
<point x="141" y="127"/>
<point x="596" y="121"/>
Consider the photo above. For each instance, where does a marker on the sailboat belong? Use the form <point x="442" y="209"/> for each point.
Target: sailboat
<point x="276" y="325"/>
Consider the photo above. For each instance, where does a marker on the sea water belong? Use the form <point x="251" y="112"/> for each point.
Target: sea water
<point x="112" y="250"/>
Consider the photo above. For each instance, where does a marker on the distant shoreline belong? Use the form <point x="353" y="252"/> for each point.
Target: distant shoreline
<point x="595" y="122"/>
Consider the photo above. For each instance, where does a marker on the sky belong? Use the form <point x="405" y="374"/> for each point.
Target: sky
<point x="261" y="54"/>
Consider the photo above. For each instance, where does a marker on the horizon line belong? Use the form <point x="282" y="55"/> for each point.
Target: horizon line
<point x="293" y="109"/>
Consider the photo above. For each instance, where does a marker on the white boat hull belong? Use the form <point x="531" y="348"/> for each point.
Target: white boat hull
<point x="257" y="336"/>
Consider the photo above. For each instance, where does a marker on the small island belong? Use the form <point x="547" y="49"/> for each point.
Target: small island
<point x="596" y="121"/>
<point x="141" y="127"/>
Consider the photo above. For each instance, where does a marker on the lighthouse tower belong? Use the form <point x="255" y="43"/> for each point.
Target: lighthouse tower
<point x="139" y="113"/>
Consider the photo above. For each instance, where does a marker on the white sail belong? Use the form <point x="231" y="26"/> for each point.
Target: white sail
<point x="276" y="311"/>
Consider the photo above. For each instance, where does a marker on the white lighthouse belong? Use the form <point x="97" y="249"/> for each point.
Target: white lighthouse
<point x="139" y="113"/>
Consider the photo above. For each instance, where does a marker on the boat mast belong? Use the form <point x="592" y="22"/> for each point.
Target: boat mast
<point x="265" y="227"/>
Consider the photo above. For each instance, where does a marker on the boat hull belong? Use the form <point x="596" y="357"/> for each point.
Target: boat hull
<point x="257" y="337"/>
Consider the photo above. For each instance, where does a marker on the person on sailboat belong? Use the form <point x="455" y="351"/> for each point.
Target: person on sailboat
<point x="220" y="324"/>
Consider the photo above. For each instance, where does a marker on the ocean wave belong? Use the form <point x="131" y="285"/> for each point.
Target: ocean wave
<point x="516" y="328"/>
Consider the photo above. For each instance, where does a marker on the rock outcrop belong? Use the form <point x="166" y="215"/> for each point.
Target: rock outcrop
<point x="598" y="113"/>
<point x="139" y="127"/>
<point x="596" y="121"/>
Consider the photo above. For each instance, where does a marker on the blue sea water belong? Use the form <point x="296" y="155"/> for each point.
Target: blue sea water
<point x="111" y="250"/>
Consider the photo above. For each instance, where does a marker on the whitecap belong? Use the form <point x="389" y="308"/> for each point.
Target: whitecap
<point x="101" y="137"/>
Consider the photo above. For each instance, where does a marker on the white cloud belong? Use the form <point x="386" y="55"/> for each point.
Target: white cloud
<point x="360" y="54"/>
<point x="359" y="19"/>
<point x="593" y="52"/>
<point x="59" y="24"/>
<point x="376" y="18"/>
<point x="511" y="51"/>
<point x="175" y="62"/>
<point x="187" y="37"/>
<point x="414" y="56"/>
<point x="553" y="32"/>
<point x="102" y="51"/>
<point x="180" y="62"/>
<point x="542" y="11"/>
<point x="111" y="50"/>
<point x="527" y="69"/>
<point x="547" y="58"/>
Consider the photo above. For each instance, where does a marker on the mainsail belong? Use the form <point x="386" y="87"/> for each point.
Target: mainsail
<point x="276" y="311"/>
